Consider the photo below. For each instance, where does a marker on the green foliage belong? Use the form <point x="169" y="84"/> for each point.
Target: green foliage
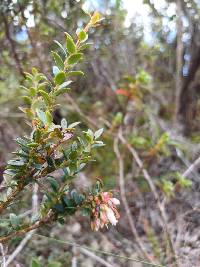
<point x="52" y="147"/>
<point x="37" y="263"/>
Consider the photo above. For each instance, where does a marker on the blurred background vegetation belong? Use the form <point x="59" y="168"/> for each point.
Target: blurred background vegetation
<point x="141" y="73"/>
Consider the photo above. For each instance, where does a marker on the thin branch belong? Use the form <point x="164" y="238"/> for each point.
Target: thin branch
<point x="192" y="168"/>
<point x="80" y="112"/>
<point x="12" y="44"/>
<point x="11" y="197"/>
<point x="95" y="257"/>
<point x="19" y="248"/>
<point x="74" y="258"/>
<point x="49" y="218"/>
<point x="125" y="202"/>
<point x="179" y="59"/>
<point x="100" y="251"/>
<point x="160" y="206"/>
<point x="3" y="255"/>
<point x="30" y="234"/>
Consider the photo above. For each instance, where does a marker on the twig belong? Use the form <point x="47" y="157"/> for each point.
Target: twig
<point x="29" y="228"/>
<point x="11" y="197"/>
<point x="12" y="44"/>
<point x="160" y="206"/>
<point x="192" y="167"/>
<point x="179" y="59"/>
<point x="3" y="255"/>
<point x="29" y="235"/>
<point x="187" y="163"/>
<point x="95" y="257"/>
<point x="80" y="112"/>
<point x="125" y="202"/>
<point x="100" y="251"/>
<point x="74" y="258"/>
<point x="18" y="249"/>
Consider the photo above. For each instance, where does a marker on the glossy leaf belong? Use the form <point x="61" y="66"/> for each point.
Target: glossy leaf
<point x="74" y="58"/>
<point x="98" y="133"/>
<point x="54" y="184"/>
<point x="58" y="60"/>
<point x="74" y="73"/>
<point x="45" y="96"/>
<point x="49" y="117"/>
<point x="61" y="47"/>
<point x="60" y="78"/>
<point x="71" y="46"/>
<point x="61" y="91"/>
<point x="42" y="116"/>
<point x="82" y="35"/>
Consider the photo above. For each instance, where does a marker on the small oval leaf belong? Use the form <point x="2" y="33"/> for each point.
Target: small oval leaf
<point x="60" y="78"/>
<point x="74" y="58"/>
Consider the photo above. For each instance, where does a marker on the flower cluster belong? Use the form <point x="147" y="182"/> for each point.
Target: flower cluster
<point x="104" y="210"/>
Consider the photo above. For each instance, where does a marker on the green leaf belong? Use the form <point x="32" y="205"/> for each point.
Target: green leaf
<point x="97" y="187"/>
<point x="81" y="166"/>
<point x="60" y="78"/>
<point x="183" y="181"/>
<point x="37" y="135"/>
<point x="33" y="144"/>
<point x="71" y="46"/>
<point x="85" y="211"/>
<point x="54" y="184"/>
<point x="34" y="71"/>
<point x="58" y="60"/>
<point x="90" y="135"/>
<point x="14" y="220"/>
<point x="84" y="46"/>
<point x="10" y="172"/>
<point x="98" y="144"/>
<point x="96" y="17"/>
<point x="27" y="100"/>
<point x="74" y="58"/>
<point x="29" y="76"/>
<point x="139" y="141"/>
<point x="98" y="133"/>
<point x="49" y="117"/>
<point x="82" y="35"/>
<point x="35" y="263"/>
<point x="168" y="187"/>
<point x="61" y="91"/>
<point x="28" y="112"/>
<point x="77" y="198"/>
<point x="32" y="91"/>
<point x="59" y="207"/>
<point x="45" y="96"/>
<point x="42" y="116"/>
<point x="72" y="125"/>
<point x="118" y="119"/>
<point x="21" y="142"/>
<point x="70" y="205"/>
<point x="65" y="84"/>
<point x="16" y="162"/>
<point x="61" y="47"/>
<point x="74" y="73"/>
<point x="50" y="161"/>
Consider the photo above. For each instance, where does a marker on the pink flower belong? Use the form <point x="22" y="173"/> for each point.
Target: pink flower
<point x="111" y="216"/>
<point x="104" y="210"/>
<point x="115" y="201"/>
